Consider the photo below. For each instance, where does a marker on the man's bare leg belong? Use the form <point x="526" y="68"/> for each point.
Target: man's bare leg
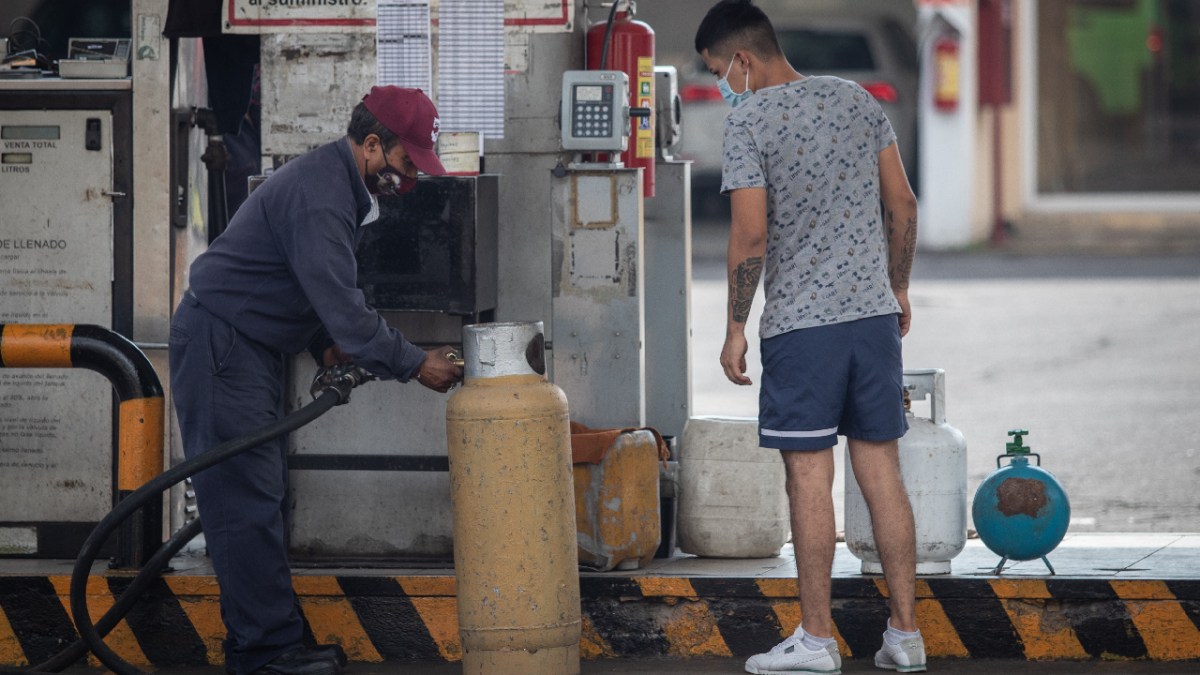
<point x="809" y="489"/>
<point x="877" y="468"/>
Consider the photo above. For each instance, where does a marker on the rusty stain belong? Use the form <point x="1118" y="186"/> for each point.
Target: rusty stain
<point x="629" y="263"/>
<point x="691" y="630"/>
<point x="1021" y="495"/>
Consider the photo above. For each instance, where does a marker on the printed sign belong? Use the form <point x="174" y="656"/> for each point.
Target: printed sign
<point x="550" y="16"/>
<point x="291" y="16"/>
<point x="56" y="267"/>
<point x="340" y="16"/>
<point x="644" y="139"/>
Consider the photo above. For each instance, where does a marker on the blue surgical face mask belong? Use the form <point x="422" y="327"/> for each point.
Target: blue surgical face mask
<point x="727" y="93"/>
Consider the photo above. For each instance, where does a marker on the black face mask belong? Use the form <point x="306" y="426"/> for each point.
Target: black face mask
<point x="389" y="182"/>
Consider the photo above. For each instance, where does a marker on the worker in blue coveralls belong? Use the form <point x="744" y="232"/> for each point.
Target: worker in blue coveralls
<point x="278" y="281"/>
<point x="807" y="162"/>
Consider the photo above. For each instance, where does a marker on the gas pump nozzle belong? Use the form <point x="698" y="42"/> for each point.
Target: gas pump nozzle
<point x="340" y="378"/>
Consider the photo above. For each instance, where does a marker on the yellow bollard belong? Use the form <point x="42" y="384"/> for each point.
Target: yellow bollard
<point x="513" y="507"/>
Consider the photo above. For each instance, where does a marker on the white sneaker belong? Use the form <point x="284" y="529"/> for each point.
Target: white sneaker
<point x="906" y="657"/>
<point x="791" y="657"/>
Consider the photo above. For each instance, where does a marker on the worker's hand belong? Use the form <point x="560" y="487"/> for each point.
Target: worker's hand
<point x="733" y="358"/>
<point x="905" y="315"/>
<point x="334" y="356"/>
<point x="437" y="371"/>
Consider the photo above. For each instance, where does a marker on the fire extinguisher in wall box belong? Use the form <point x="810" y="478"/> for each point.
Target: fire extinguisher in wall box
<point x="630" y="48"/>
<point x="947" y="75"/>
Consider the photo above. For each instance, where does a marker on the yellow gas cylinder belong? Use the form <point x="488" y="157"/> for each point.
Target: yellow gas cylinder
<point x="512" y="505"/>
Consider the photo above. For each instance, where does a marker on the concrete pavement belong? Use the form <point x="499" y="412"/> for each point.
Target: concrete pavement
<point x="1095" y="355"/>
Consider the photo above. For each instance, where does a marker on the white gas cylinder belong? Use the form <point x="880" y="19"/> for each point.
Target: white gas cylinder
<point x="933" y="464"/>
<point x="732" y="501"/>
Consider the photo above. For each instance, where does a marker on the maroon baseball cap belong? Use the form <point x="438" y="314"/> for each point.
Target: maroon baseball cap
<point x="410" y="115"/>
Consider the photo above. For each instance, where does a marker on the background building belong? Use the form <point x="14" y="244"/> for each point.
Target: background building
<point x="1068" y="124"/>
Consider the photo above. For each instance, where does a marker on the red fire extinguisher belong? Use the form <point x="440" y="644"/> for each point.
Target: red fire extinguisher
<point x="630" y="49"/>
<point x="947" y="65"/>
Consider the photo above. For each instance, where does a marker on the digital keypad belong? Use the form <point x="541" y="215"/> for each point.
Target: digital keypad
<point x="594" y="118"/>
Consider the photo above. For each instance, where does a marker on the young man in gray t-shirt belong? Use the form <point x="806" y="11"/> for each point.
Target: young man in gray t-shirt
<point x="807" y="161"/>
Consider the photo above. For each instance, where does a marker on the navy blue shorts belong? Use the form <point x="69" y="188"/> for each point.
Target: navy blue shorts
<point x="843" y="379"/>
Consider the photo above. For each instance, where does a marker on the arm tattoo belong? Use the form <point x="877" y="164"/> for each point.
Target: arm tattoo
<point x="901" y="266"/>
<point x="743" y="281"/>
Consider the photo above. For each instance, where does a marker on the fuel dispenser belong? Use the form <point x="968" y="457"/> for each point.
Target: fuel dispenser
<point x="598" y="256"/>
<point x="429" y="266"/>
<point x="491" y="247"/>
<point x="66" y="256"/>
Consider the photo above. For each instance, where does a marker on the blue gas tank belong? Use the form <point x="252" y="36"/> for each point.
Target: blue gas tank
<point x="1021" y="511"/>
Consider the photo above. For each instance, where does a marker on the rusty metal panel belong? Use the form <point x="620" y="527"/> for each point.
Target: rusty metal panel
<point x="256" y="16"/>
<point x="597" y="259"/>
<point x="310" y="84"/>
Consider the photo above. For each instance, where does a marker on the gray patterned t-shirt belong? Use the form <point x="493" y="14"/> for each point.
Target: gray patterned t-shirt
<point x="814" y="144"/>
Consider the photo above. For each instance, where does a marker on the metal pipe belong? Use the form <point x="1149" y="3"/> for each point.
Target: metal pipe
<point x="140" y="426"/>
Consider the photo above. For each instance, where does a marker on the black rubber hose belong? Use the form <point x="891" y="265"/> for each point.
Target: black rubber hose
<point x="150" y="572"/>
<point x="608" y="35"/>
<point x="88" y="631"/>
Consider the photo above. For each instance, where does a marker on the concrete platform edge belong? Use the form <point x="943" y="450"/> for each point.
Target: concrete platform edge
<point x="381" y="617"/>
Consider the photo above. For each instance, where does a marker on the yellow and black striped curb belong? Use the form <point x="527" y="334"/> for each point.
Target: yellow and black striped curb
<point x="413" y="618"/>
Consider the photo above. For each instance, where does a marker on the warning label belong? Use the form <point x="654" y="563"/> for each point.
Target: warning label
<point x="265" y="16"/>
<point x="338" y="16"/>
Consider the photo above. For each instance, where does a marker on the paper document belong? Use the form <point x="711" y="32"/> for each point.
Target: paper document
<point x="471" y="66"/>
<point x="402" y="44"/>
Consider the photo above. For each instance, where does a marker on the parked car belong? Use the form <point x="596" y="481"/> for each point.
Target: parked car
<point x="876" y="49"/>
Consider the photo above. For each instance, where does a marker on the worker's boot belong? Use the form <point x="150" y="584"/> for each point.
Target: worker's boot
<point x="330" y="652"/>
<point x="305" y="661"/>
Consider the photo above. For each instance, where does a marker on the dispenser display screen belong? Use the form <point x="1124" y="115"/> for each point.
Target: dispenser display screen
<point x="588" y="93"/>
<point x="30" y="132"/>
